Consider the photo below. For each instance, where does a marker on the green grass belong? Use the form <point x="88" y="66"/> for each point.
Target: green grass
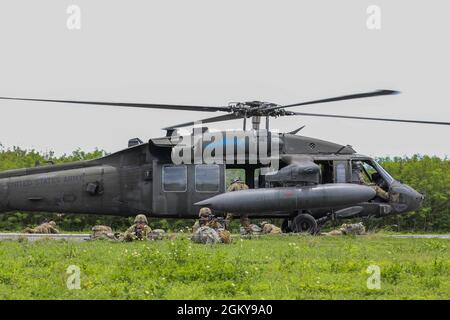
<point x="268" y="267"/>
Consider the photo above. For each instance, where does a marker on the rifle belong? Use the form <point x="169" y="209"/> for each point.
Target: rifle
<point x="138" y="231"/>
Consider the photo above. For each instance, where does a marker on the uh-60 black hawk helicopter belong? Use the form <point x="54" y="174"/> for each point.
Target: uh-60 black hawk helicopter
<point x="316" y="180"/>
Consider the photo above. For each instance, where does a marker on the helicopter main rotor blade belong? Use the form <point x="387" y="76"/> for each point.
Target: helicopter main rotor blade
<point x="340" y="98"/>
<point x="366" y="118"/>
<point x="225" y="117"/>
<point x="131" y="105"/>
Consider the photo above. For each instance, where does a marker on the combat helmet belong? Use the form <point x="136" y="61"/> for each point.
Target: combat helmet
<point x="236" y="180"/>
<point x="204" y="212"/>
<point x="140" y="218"/>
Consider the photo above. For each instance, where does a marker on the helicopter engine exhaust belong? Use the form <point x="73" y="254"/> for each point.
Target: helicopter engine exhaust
<point x="289" y="199"/>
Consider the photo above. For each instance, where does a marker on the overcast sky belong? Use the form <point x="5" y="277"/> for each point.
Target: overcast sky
<point x="212" y="52"/>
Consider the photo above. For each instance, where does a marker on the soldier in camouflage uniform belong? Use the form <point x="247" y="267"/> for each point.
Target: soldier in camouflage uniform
<point x="45" y="228"/>
<point x="269" y="228"/>
<point x="209" y="229"/>
<point x="348" y="229"/>
<point x="101" y="232"/>
<point x="203" y="217"/>
<point x="357" y="175"/>
<point x="139" y="230"/>
<point x="237" y="185"/>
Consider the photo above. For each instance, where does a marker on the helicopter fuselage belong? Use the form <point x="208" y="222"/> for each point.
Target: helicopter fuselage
<point x="144" y="178"/>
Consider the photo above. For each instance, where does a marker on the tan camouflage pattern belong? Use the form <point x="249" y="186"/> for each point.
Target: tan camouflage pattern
<point x="195" y="226"/>
<point x="44" y="228"/>
<point x="101" y="232"/>
<point x="348" y="229"/>
<point x="245" y="221"/>
<point x="252" y="229"/>
<point x="225" y="236"/>
<point x="140" y="218"/>
<point x="378" y="190"/>
<point x="130" y="233"/>
<point x="206" y="235"/>
<point x="268" y="228"/>
<point x="204" y="212"/>
<point x="157" y="234"/>
<point x="237" y="186"/>
<point x="215" y="224"/>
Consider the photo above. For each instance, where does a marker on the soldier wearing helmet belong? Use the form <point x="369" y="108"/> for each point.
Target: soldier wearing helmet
<point x="203" y="218"/>
<point x="209" y="229"/>
<point x="139" y="230"/>
<point x="237" y="185"/>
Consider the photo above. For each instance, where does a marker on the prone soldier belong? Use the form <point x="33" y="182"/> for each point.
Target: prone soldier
<point x="348" y="229"/>
<point x="268" y="228"/>
<point x="210" y="229"/>
<point x="139" y="230"/>
<point x="101" y="232"/>
<point x="203" y="217"/>
<point x="45" y="228"/>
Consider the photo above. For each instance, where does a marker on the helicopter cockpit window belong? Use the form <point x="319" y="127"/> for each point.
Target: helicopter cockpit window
<point x="207" y="178"/>
<point x="367" y="171"/>
<point x="174" y="178"/>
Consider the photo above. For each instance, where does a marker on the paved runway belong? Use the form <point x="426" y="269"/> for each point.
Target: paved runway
<point x="423" y="236"/>
<point x="34" y="236"/>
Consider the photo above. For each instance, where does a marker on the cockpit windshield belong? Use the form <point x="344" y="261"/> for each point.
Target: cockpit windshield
<point x="383" y="172"/>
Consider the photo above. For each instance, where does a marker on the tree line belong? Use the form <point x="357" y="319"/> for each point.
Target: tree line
<point x="427" y="174"/>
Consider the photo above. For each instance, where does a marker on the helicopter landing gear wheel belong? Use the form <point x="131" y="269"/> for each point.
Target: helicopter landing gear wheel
<point x="285" y="228"/>
<point x="304" y="222"/>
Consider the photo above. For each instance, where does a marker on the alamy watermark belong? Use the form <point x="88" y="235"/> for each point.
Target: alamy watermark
<point x="74" y="19"/>
<point x="374" y="280"/>
<point x="231" y="147"/>
<point x="373" y="21"/>
<point x="73" y="281"/>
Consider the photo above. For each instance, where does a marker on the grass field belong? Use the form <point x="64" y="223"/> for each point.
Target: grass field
<point x="268" y="267"/>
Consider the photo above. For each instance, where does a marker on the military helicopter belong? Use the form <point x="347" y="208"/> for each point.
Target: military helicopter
<point x="314" y="181"/>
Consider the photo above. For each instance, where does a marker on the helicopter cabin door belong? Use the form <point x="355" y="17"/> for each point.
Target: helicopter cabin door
<point x="177" y="187"/>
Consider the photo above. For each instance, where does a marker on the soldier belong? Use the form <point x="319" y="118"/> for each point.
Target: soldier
<point x="101" y="232"/>
<point x="238" y="185"/>
<point x="208" y="229"/>
<point x="348" y="229"/>
<point x="203" y="216"/>
<point x="357" y="175"/>
<point x="218" y="225"/>
<point x="45" y="228"/>
<point x="269" y="228"/>
<point x="139" y="230"/>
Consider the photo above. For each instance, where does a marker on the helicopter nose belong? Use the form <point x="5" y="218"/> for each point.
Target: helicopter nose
<point x="416" y="199"/>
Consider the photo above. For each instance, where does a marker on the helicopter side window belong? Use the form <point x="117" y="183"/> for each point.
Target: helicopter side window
<point x="174" y="178"/>
<point x="340" y="173"/>
<point x="207" y="178"/>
